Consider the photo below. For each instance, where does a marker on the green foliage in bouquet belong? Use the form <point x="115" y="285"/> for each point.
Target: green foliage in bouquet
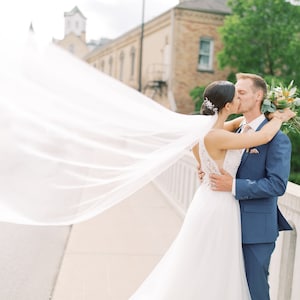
<point x="280" y="97"/>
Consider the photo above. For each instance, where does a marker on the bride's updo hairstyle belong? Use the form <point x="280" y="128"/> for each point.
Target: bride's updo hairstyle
<point x="216" y="95"/>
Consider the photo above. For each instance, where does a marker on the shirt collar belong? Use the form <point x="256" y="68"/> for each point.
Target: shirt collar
<point x="256" y="122"/>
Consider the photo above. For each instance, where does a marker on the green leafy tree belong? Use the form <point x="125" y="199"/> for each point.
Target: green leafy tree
<point x="262" y="37"/>
<point x="295" y="161"/>
<point x="197" y="96"/>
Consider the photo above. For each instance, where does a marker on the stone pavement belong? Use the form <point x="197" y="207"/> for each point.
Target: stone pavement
<point x="108" y="257"/>
<point x="30" y="257"/>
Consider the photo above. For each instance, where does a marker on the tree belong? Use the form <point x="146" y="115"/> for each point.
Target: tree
<point x="197" y="96"/>
<point x="295" y="161"/>
<point x="263" y="37"/>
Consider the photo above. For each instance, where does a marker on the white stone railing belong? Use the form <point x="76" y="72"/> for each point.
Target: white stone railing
<point x="179" y="183"/>
<point x="285" y="265"/>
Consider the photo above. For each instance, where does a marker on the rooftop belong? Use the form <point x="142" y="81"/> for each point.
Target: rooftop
<point x="74" y="11"/>
<point x="213" y="6"/>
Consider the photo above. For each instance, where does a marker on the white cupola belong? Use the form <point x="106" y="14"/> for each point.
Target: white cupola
<point x="75" y="22"/>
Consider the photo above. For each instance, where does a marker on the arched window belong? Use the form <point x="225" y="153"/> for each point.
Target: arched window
<point x="71" y="48"/>
<point x="132" y="56"/>
<point x="102" y="65"/>
<point x="121" y="65"/>
<point x="110" y="65"/>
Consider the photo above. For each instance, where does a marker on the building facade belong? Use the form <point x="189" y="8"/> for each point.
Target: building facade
<point x="169" y="55"/>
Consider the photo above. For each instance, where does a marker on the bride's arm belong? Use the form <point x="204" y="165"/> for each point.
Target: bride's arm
<point x="229" y="140"/>
<point x="195" y="150"/>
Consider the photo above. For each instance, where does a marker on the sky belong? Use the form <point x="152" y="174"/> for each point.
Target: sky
<point x="105" y="18"/>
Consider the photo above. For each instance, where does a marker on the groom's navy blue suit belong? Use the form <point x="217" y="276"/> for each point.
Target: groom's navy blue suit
<point x="262" y="177"/>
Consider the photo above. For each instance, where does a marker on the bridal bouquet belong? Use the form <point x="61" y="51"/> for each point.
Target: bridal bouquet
<point x="280" y="97"/>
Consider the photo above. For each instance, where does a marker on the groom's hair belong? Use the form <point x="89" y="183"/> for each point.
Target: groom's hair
<point x="258" y="82"/>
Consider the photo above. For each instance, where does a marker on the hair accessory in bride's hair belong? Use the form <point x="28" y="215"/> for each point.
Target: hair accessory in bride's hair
<point x="210" y="105"/>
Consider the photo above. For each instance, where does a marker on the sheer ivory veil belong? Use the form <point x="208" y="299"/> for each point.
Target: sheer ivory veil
<point x="74" y="141"/>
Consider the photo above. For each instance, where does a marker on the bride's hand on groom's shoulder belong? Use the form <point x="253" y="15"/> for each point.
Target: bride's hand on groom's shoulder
<point x="221" y="182"/>
<point x="282" y="114"/>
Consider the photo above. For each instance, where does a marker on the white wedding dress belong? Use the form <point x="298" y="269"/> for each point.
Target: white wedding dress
<point x="205" y="261"/>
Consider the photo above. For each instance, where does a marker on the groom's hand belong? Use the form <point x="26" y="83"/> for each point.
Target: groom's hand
<point x="221" y="182"/>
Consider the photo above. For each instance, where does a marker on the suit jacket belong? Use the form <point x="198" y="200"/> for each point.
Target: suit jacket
<point x="262" y="177"/>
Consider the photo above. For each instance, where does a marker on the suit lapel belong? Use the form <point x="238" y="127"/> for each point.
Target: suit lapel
<point x="265" y="121"/>
<point x="244" y="157"/>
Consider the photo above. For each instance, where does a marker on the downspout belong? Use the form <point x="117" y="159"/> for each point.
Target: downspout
<point x="171" y="98"/>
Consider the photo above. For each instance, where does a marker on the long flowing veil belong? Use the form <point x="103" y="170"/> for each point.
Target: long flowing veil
<point x="74" y="141"/>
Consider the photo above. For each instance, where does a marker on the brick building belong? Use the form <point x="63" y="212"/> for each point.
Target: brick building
<point x="179" y="49"/>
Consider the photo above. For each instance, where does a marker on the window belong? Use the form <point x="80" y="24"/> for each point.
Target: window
<point x="121" y="65"/>
<point x="110" y="62"/>
<point x="102" y="65"/>
<point x="71" y="48"/>
<point x="132" y="55"/>
<point x="205" y="60"/>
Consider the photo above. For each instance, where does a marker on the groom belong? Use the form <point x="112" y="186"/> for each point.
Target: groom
<point x="262" y="177"/>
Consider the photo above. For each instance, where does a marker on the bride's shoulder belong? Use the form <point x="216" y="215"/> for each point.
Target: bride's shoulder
<point x="216" y="136"/>
<point x="212" y="133"/>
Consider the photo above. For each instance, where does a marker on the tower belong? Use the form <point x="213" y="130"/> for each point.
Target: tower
<point x="75" y="22"/>
<point x="74" y="39"/>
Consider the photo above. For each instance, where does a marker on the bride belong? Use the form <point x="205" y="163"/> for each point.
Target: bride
<point x="205" y="261"/>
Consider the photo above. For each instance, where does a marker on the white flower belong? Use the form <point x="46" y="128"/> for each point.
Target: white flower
<point x="210" y="105"/>
<point x="297" y="101"/>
